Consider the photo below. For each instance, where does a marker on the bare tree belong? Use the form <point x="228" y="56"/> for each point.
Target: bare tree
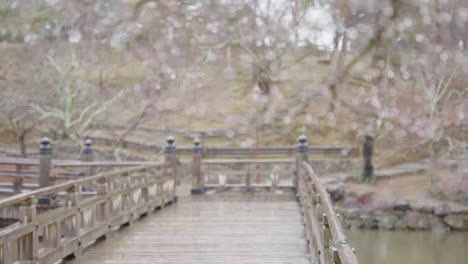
<point x="19" y="119"/>
<point x="73" y="115"/>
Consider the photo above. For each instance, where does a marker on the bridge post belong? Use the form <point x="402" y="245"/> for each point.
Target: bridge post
<point x="170" y="157"/>
<point x="45" y="158"/>
<point x="302" y="153"/>
<point x="27" y="244"/>
<point x="197" y="178"/>
<point x="103" y="210"/>
<point x="87" y="155"/>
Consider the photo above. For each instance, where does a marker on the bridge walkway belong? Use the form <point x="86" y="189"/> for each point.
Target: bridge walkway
<point x="220" y="228"/>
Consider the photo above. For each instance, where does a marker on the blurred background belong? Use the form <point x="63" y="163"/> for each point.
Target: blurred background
<point x="126" y="73"/>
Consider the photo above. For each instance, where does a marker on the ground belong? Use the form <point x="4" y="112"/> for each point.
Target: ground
<point x="434" y="198"/>
<point x="414" y="188"/>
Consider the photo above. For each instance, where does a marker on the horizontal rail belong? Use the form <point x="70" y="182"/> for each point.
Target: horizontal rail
<point x="342" y="151"/>
<point x="345" y="151"/>
<point x="63" y="186"/>
<point x="18" y="171"/>
<point x="74" y="163"/>
<point x="246" y="161"/>
<point x="103" y="163"/>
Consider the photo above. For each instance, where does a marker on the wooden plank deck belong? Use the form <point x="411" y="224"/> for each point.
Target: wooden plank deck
<point x="221" y="228"/>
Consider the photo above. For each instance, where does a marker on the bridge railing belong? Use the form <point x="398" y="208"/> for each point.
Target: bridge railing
<point x="268" y="168"/>
<point x="25" y="174"/>
<point x="60" y="220"/>
<point x="22" y="174"/>
<point x="272" y="152"/>
<point x="327" y="241"/>
<point x="248" y="174"/>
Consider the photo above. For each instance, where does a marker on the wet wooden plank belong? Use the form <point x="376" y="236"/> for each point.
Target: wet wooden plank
<point x="211" y="229"/>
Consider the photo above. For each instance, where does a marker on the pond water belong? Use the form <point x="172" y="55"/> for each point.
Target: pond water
<point x="400" y="247"/>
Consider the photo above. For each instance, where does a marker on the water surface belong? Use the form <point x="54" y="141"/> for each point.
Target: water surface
<point x="400" y="247"/>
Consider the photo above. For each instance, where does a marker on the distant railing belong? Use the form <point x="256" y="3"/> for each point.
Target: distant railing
<point x="327" y="241"/>
<point x="242" y="152"/>
<point x="60" y="220"/>
<point x="248" y="174"/>
<point x="273" y="152"/>
<point x="267" y="168"/>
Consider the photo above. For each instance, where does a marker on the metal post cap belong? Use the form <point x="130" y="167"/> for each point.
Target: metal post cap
<point x="45" y="141"/>
<point x="302" y="139"/>
<point x="170" y="140"/>
<point x="88" y="149"/>
<point x="196" y="146"/>
<point x="301" y="146"/>
<point x="45" y="147"/>
<point x="88" y="142"/>
<point x="170" y="147"/>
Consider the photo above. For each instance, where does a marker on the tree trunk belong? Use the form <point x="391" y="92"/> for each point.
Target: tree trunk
<point x="333" y="99"/>
<point x="333" y="89"/>
<point x="22" y="144"/>
<point x="438" y="23"/>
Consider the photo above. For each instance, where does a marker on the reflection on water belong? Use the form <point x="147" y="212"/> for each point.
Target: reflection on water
<point x="399" y="247"/>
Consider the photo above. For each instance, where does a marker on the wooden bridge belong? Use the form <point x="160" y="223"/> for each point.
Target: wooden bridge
<point x="263" y="205"/>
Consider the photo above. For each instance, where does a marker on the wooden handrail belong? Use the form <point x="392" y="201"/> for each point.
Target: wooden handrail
<point x="15" y="170"/>
<point x="85" y="210"/>
<point x="74" y="163"/>
<point x="247" y="161"/>
<point x="329" y="219"/>
<point x="102" y="163"/>
<point x="15" y="199"/>
<point x="342" y="151"/>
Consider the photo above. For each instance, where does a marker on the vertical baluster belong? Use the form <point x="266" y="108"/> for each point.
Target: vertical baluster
<point x="160" y="193"/>
<point x="248" y="179"/>
<point x="310" y="206"/>
<point x="5" y="253"/>
<point x="127" y="197"/>
<point x="335" y="256"/>
<point x="314" y="198"/>
<point x="318" y="215"/>
<point x="52" y="235"/>
<point x="145" y="191"/>
<point x="326" y="239"/>
<point x="72" y="224"/>
<point x="318" y="207"/>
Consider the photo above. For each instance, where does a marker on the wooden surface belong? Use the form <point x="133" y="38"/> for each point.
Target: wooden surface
<point x="81" y="212"/>
<point x="220" y="226"/>
<point x="224" y="228"/>
<point x="327" y="240"/>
